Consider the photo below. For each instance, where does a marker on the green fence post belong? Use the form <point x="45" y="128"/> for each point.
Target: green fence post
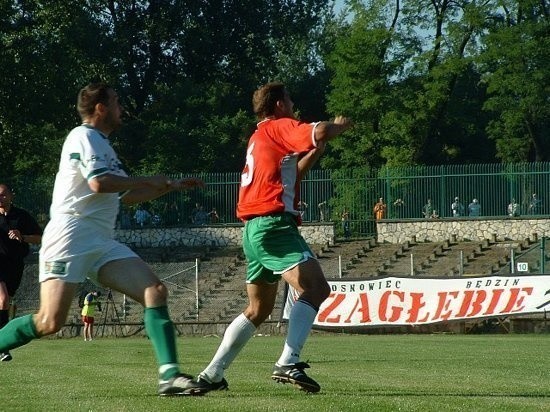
<point x="542" y="254"/>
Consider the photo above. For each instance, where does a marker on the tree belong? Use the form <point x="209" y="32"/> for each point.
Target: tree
<point x="361" y="83"/>
<point x="405" y="73"/>
<point x="184" y="70"/>
<point x="188" y="76"/>
<point x="42" y="63"/>
<point x="516" y="63"/>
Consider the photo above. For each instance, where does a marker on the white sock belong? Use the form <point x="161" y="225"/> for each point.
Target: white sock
<point x="237" y="334"/>
<point x="300" y="321"/>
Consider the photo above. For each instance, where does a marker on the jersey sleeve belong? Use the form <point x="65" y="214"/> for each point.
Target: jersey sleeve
<point x="94" y="162"/>
<point x="296" y="136"/>
<point x="93" y="154"/>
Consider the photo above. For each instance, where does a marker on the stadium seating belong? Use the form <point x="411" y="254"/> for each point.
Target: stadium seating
<point x="221" y="273"/>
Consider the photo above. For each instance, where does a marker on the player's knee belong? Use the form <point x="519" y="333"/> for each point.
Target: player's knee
<point x="46" y="325"/>
<point x="317" y="293"/>
<point x="162" y="291"/>
<point x="257" y="315"/>
<point x="156" y="294"/>
<point x="324" y="290"/>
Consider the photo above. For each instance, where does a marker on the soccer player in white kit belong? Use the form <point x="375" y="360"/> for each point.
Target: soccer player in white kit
<point x="78" y="241"/>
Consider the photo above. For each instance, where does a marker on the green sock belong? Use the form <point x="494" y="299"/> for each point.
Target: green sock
<point x="18" y="332"/>
<point x="160" y="330"/>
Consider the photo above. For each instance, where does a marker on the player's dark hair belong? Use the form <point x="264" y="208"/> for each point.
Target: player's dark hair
<point x="91" y="95"/>
<point x="264" y="100"/>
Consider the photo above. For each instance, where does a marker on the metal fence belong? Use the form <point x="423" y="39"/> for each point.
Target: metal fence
<point x="534" y="260"/>
<point x="325" y="194"/>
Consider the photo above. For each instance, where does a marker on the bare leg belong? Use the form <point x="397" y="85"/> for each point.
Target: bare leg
<point x="4" y="315"/>
<point x="135" y="278"/>
<point x="55" y="301"/>
<point x="4" y="297"/>
<point x="308" y="279"/>
<point x="4" y="305"/>
<point x="261" y="298"/>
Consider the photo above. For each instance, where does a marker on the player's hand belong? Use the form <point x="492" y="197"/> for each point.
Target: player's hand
<point x="159" y="182"/>
<point x="15" y="234"/>
<point x="345" y="122"/>
<point x="187" y="183"/>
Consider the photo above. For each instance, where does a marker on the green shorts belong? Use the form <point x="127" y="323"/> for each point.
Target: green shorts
<point x="272" y="245"/>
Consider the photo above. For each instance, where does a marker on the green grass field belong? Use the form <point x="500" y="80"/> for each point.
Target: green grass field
<point x="357" y="373"/>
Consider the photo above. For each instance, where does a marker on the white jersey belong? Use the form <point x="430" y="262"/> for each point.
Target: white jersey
<point x="78" y="240"/>
<point x="86" y="154"/>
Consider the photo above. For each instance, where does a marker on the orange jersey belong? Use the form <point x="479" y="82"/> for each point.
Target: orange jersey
<point x="269" y="179"/>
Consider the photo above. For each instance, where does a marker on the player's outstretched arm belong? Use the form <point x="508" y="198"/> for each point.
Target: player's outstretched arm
<point x="136" y="189"/>
<point x="324" y="131"/>
<point x="152" y="192"/>
<point x="187" y="183"/>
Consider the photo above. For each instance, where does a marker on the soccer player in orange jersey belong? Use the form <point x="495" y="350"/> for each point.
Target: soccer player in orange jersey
<point x="280" y="152"/>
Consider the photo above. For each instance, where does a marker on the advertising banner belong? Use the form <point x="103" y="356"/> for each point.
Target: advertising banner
<point x="411" y="301"/>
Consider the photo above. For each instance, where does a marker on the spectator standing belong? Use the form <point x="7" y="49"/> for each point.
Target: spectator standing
<point x="124" y="219"/>
<point x="535" y="205"/>
<point x="201" y="217"/>
<point x="171" y="213"/>
<point x="322" y="211"/>
<point x="457" y="208"/>
<point x="17" y="229"/>
<point x="141" y="216"/>
<point x="474" y="208"/>
<point x="89" y="306"/>
<point x="194" y="213"/>
<point x="346" y="223"/>
<point x="213" y="216"/>
<point x="156" y="219"/>
<point x="380" y="209"/>
<point x="428" y="209"/>
<point x="513" y="208"/>
<point x="302" y="208"/>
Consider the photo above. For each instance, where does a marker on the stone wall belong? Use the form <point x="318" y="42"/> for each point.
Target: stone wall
<point x="438" y="230"/>
<point x="390" y="231"/>
<point x="216" y="235"/>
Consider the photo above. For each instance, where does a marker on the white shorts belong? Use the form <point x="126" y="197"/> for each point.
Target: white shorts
<point x="74" y="249"/>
